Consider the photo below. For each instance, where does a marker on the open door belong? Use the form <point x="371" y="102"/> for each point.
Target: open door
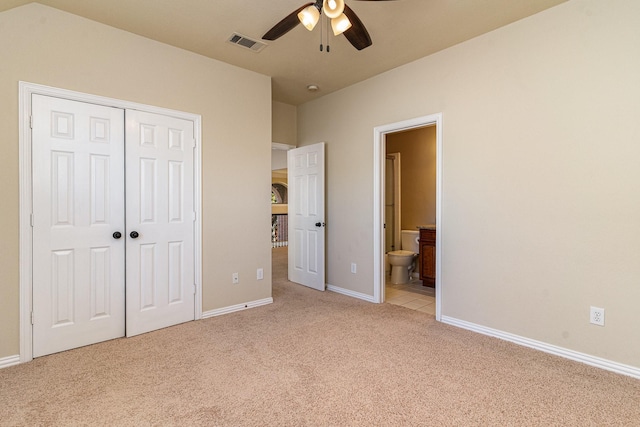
<point x="306" y="215"/>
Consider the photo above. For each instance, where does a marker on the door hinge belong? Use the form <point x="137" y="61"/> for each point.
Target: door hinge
<point x="31" y="122"/>
<point x="193" y="143"/>
<point x="31" y="219"/>
<point x="193" y="216"/>
<point x="32" y="319"/>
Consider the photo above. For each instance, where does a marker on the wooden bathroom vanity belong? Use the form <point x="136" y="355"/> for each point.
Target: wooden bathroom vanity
<point x="428" y="255"/>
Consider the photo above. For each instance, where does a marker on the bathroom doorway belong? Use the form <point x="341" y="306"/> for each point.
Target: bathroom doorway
<point x="424" y="194"/>
<point x="410" y="192"/>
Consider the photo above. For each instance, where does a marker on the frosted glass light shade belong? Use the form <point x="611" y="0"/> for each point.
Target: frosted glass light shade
<point x="309" y="17"/>
<point x="333" y="8"/>
<point x="340" y="24"/>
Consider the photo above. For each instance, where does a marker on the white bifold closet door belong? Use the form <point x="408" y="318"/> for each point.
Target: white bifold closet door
<point x="92" y="256"/>
<point x="78" y="204"/>
<point x="160" y="260"/>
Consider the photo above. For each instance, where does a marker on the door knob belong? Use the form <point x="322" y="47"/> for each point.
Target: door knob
<point x="117" y="235"/>
<point x="134" y="234"/>
<point x="319" y="224"/>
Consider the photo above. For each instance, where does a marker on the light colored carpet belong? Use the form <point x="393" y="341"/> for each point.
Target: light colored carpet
<point x="316" y="359"/>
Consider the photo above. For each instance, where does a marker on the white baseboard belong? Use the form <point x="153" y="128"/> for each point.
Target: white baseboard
<point x="598" y="362"/>
<point x="5" y="362"/>
<point x="237" y="307"/>
<point x="347" y="292"/>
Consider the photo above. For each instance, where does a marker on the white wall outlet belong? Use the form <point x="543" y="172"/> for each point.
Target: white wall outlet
<point x="259" y="274"/>
<point x="354" y="268"/>
<point x="235" y="278"/>
<point x="597" y="316"/>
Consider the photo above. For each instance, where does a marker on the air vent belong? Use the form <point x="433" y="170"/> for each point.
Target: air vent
<point x="240" y="40"/>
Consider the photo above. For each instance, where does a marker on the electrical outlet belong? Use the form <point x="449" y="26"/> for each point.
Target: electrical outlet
<point x="259" y="274"/>
<point x="235" y="279"/>
<point x="597" y="316"/>
<point x="354" y="268"/>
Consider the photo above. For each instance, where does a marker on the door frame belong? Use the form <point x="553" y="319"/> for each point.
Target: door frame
<point x="397" y="201"/>
<point x="379" y="157"/>
<point x="27" y="89"/>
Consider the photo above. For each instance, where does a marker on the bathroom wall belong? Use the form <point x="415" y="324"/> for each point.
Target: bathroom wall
<point x="417" y="148"/>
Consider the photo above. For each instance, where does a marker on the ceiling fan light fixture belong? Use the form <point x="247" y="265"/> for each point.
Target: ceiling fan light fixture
<point x="340" y="24"/>
<point x="309" y="17"/>
<point x="333" y="8"/>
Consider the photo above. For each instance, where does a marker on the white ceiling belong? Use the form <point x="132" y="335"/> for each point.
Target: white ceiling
<point x="402" y="31"/>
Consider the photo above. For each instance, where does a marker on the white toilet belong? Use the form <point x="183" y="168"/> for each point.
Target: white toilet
<point x="403" y="262"/>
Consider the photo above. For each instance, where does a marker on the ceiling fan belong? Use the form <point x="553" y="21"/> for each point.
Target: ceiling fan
<point x="343" y="21"/>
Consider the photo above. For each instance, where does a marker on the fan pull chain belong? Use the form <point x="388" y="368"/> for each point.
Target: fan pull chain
<point x="327" y="32"/>
<point x="324" y="33"/>
<point x="321" y="47"/>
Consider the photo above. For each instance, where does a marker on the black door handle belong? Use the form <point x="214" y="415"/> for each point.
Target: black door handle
<point x="134" y="234"/>
<point x="319" y="224"/>
<point x="117" y="235"/>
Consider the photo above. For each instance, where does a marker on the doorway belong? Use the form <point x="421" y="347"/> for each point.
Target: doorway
<point x="417" y="147"/>
<point x="163" y="206"/>
<point x="279" y="211"/>
<point x="380" y="133"/>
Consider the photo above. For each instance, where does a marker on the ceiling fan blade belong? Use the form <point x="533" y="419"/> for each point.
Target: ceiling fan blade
<point x="357" y="35"/>
<point x="287" y="24"/>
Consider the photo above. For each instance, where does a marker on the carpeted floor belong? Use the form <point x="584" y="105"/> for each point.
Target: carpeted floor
<point x="313" y="359"/>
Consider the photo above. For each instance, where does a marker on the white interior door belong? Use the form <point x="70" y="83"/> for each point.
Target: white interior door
<point x="78" y="205"/>
<point x="306" y="215"/>
<point x="160" y="221"/>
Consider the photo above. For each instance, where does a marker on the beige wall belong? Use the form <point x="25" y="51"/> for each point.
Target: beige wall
<point x="417" y="148"/>
<point x="42" y="45"/>
<point x="278" y="159"/>
<point x="284" y="123"/>
<point x="541" y="184"/>
<point x="284" y="129"/>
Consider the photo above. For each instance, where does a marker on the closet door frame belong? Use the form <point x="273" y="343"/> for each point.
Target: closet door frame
<point x="26" y="90"/>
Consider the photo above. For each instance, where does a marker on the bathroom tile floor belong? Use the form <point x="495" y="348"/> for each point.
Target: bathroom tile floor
<point x="413" y="296"/>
